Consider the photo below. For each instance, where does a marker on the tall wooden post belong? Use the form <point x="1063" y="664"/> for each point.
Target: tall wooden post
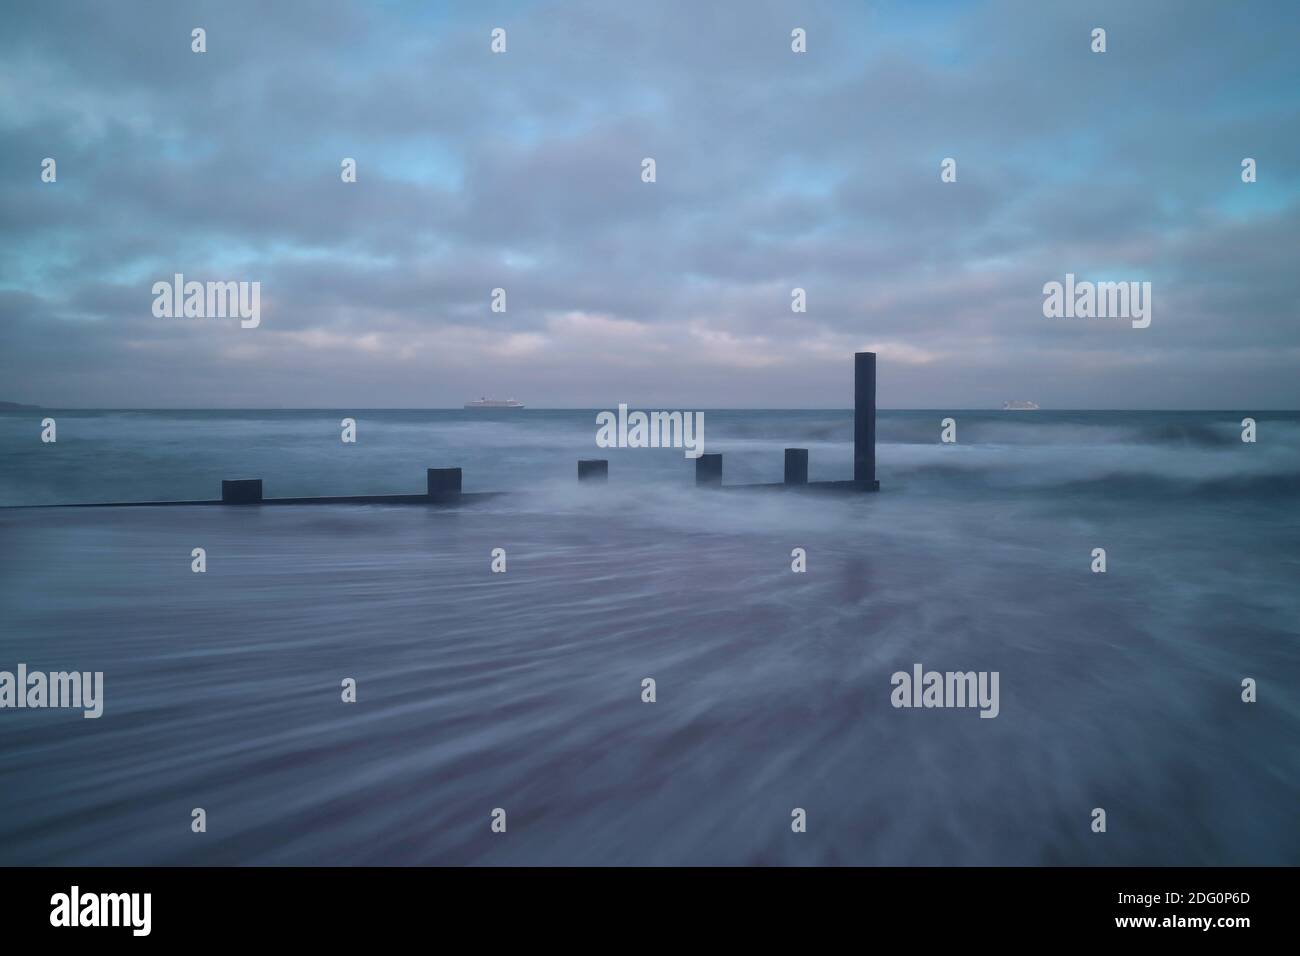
<point x="864" y="418"/>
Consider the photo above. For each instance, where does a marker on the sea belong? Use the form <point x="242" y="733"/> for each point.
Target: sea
<point x="519" y="697"/>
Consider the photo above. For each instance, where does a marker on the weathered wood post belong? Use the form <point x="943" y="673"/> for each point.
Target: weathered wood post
<point x="864" y="418"/>
<point x="593" y="469"/>
<point x="708" y="471"/>
<point x="444" y="483"/>
<point x="241" y="491"/>
<point x="796" y="466"/>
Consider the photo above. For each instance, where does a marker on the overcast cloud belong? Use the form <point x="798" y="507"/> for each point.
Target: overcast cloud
<point x="775" y="170"/>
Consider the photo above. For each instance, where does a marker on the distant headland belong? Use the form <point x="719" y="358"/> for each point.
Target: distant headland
<point x="16" y="407"/>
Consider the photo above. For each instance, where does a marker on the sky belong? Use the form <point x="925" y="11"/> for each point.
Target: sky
<point x="775" y="170"/>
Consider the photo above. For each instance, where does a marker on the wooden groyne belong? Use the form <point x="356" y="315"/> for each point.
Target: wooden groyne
<point x="443" y="486"/>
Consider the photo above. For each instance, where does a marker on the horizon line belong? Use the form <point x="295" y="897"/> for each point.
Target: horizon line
<point x="596" y="408"/>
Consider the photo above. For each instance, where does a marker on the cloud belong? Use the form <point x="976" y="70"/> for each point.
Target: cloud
<point x="522" y="171"/>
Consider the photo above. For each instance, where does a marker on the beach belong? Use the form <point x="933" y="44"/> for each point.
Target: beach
<point x="522" y="690"/>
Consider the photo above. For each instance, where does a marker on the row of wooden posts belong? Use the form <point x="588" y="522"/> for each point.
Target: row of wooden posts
<point x="444" y="484"/>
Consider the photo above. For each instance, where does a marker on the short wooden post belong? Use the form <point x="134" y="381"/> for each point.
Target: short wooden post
<point x="444" y="482"/>
<point x="241" y="491"/>
<point x="796" y="466"/>
<point x="593" y="469"/>
<point x="708" y="470"/>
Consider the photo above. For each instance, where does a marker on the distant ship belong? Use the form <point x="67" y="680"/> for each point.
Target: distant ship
<point x="494" y="403"/>
<point x="1019" y="406"/>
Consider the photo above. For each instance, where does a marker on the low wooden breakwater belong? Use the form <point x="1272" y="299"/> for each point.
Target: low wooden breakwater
<point x="443" y="486"/>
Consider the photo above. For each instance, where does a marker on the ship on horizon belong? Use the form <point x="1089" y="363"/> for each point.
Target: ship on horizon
<point x="1020" y="406"/>
<point x="494" y="403"/>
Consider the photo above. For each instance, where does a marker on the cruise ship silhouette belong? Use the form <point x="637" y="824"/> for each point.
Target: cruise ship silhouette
<point x="494" y="403"/>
